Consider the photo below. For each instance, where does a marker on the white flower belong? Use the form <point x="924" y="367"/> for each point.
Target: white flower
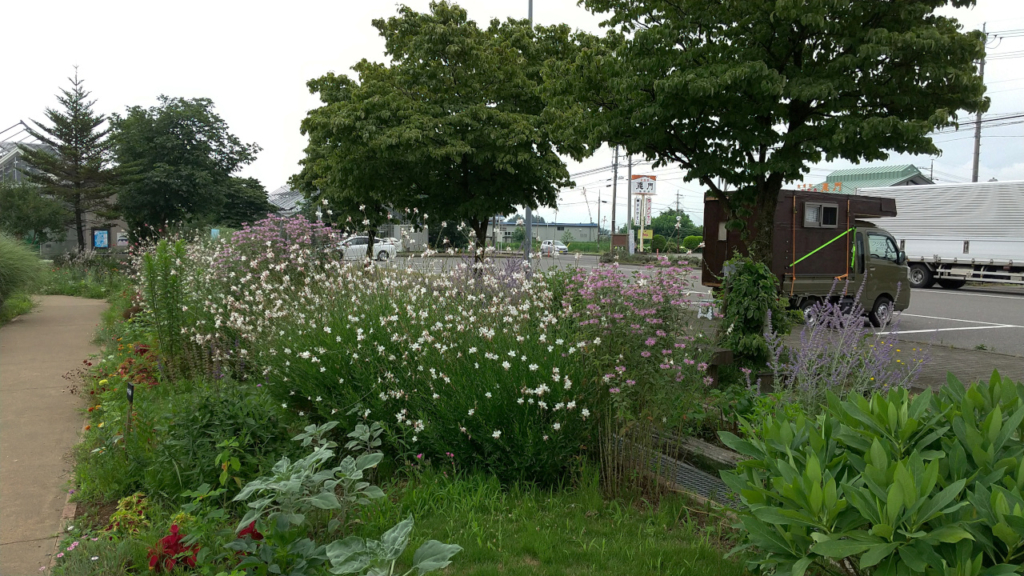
<point x="488" y="394"/>
<point x="506" y="365"/>
<point x="413" y="438"/>
<point x="471" y="411"/>
<point x="520" y="401"/>
<point x="327" y="329"/>
<point x="496" y="434"/>
<point x="556" y="426"/>
<point x="318" y="398"/>
<point x="533" y="367"/>
<point x="585" y="412"/>
<point x="284" y="405"/>
<point x="571" y="405"/>
<point x="597" y="341"/>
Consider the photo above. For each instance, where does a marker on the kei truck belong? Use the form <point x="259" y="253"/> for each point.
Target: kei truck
<point x="823" y="248"/>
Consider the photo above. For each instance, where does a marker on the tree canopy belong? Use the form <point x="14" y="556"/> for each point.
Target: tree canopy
<point x="73" y="164"/>
<point x="452" y="127"/>
<point x="26" y="211"/>
<point x="182" y="157"/>
<point x="245" y="201"/>
<point x="750" y="93"/>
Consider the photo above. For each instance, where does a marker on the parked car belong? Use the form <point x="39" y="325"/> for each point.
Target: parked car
<point x="550" y="247"/>
<point x="355" y="248"/>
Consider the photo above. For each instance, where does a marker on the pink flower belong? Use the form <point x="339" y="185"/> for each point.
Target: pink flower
<point x="645" y="354"/>
<point x="650" y="341"/>
<point x="620" y="368"/>
<point x="631" y="382"/>
<point x="702" y="366"/>
<point x="614" y="390"/>
<point x="419" y="456"/>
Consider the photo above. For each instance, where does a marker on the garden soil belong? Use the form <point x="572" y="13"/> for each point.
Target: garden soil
<point x="40" y="421"/>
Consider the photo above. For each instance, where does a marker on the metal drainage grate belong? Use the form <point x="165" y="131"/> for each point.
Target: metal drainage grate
<point x="694" y="480"/>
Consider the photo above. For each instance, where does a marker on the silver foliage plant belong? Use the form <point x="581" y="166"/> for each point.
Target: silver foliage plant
<point x="283" y="503"/>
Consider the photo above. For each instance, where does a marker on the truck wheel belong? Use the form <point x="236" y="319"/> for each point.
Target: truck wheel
<point x="811" y="310"/>
<point x="881" y="312"/>
<point x="921" y="276"/>
<point x="952" y="284"/>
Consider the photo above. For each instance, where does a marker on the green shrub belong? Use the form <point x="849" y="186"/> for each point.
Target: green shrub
<point x="85" y="275"/>
<point x="751" y="306"/>
<point x="890" y="485"/>
<point x="692" y="243"/>
<point x="19" y="267"/>
<point x="15" y="306"/>
<point x="658" y="243"/>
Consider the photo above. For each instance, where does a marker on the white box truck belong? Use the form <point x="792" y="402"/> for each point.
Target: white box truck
<point x="959" y="233"/>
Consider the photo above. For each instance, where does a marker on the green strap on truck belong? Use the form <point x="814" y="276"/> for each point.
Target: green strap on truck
<point x="822" y="246"/>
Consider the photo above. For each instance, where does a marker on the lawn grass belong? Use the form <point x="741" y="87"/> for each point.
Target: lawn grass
<point x="528" y="531"/>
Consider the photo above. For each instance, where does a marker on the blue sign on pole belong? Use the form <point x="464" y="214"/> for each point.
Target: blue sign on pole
<point x="214" y="233"/>
<point x="100" y="239"/>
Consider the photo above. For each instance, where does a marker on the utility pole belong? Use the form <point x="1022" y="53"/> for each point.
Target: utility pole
<point x="528" y="241"/>
<point x="615" y="183"/>
<point x="677" y="202"/>
<point x="629" y="200"/>
<point x="598" y="219"/>
<point x="977" y="122"/>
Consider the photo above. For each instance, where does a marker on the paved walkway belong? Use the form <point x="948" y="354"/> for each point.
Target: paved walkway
<point x="39" y="424"/>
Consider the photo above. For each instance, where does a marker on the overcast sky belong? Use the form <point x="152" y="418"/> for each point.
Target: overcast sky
<point x="253" y="60"/>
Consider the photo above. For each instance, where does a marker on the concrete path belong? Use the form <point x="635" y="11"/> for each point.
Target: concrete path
<point x="39" y="424"/>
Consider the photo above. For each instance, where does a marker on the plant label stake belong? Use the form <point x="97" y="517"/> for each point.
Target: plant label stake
<point x="130" y="392"/>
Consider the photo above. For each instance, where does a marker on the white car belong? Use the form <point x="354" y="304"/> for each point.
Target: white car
<point x="355" y="249"/>
<point x="550" y="247"/>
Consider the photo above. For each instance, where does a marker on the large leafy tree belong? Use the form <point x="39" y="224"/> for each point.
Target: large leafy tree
<point x="452" y="127"/>
<point x="182" y="157"/>
<point x="750" y="93"/>
<point x="245" y="201"/>
<point x="73" y="163"/>
<point x="26" y="211"/>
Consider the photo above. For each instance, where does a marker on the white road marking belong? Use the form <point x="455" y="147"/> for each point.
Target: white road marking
<point x="902" y="332"/>
<point x="952" y="319"/>
<point x="953" y="293"/>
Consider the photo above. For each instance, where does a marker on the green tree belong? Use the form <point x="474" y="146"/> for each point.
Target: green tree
<point x="182" y="157"/>
<point x="673" y="224"/>
<point x="245" y="201"/>
<point x="73" y="163"/>
<point x="27" y="212"/>
<point x="750" y="93"/>
<point x="451" y="127"/>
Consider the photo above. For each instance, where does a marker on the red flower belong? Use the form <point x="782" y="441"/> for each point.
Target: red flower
<point x="251" y="532"/>
<point x="169" y="551"/>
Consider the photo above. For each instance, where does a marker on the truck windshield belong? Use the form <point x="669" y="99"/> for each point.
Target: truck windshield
<point x="883" y="247"/>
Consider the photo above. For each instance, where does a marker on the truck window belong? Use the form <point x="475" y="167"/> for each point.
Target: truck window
<point x="860" y="253"/>
<point x="882" y="247"/>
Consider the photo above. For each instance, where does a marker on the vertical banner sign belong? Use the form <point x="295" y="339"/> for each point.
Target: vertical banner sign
<point x="643" y="187"/>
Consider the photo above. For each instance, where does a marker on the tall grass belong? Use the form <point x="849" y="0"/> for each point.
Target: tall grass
<point x="85" y="275"/>
<point x="19" y="267"/>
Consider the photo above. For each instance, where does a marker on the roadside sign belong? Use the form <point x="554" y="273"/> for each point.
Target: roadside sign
<point x="100" y="239"/>
<point x="641" y="184"/>
<point x="648" y="234"/>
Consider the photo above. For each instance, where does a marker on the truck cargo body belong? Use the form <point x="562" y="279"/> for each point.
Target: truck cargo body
<point x="955" y="233"/>
<point x="821" y="249"/>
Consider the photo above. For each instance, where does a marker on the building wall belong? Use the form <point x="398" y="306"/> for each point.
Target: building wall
<point x="115" y="229"/>
<point x="555" y="231"/>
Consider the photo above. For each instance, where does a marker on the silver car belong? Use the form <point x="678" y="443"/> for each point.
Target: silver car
<point x="355" y="249"/>
<point x="551" y="247"/>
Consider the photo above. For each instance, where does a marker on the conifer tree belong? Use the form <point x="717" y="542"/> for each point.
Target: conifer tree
<point x="73" y="165"/>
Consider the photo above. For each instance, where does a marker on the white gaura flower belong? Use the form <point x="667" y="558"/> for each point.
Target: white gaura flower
<point x="506" y="365"/>
<point x="496" y="434"/>
<point x="471" y="411"/>
<point x="585" y="413"/>
<point x="533" y="367"/>
<point x="488" y="394"/>
<point x="327" y="329"/>
<point x="520" y="401"/>
<point x="556" y="426"/>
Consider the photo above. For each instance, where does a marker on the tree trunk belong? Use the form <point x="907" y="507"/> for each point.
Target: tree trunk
<point x="371" y="235"/>
<point x="480" y="227"/>
<point x="760" y="240"/>
<point x="79" y="223"/>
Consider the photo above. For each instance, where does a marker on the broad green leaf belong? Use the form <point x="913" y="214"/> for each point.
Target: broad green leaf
<point x="840" y="548"/>
<point x="949" y="534"/>
<point x="876" y="553"/>
<point x="397" y="538"/>
<point x="325" y="501"/>
<point x="368" y="460"/>
<point x="434" y="555"/>
<point x="800" y="566"/>
<point x="913" y="559"/>
<point x="348" y="556"/>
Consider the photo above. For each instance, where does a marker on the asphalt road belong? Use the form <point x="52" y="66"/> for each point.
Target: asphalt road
<point x="983" y="317"/>
<point x="973" y="317"/>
